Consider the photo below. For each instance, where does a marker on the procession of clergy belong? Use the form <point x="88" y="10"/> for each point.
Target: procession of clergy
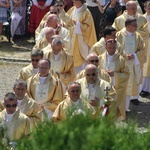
<point x="71" y="73"/>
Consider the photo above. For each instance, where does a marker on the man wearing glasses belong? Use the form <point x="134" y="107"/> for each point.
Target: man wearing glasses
<point x="32" y="68"/>
<point x="73" y="104"/>
<point x="95" y="90"/>
<point x="13" y="122"/>
<point x="92" y="58"/>
<point x="115" y="65"/>
<point x="53" y="22"/>
<point x="82" y="32"/>
<point x="131" y="12"/>
<point x="99" y="47"/>
<point x="134" y="53"/>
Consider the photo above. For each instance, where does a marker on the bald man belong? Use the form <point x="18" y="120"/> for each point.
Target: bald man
<point x="93" y="59"/>
<point x="131" y="12"/>
<point x="94" y="90"/>
<point x="44" y="38"/>
<point x="53" y="22"/>
<point x="61" y="60"/>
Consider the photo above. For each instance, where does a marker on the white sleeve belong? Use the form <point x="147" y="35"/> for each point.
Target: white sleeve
<point x="48" y="3"/>
<point x="35" y="2"/>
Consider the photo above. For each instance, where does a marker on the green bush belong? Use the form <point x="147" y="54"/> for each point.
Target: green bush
<point x="81" y="133"/>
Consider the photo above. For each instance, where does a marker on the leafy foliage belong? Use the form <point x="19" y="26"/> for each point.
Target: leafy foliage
<point x="81" y="133"/>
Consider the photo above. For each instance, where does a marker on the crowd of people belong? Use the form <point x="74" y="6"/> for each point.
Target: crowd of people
<point x="90" y="57"/>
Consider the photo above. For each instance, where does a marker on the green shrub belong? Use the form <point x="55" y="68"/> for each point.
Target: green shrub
<point x="80" y="133"/>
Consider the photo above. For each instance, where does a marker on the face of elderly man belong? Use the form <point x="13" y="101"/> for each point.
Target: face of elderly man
<point x="93" y="59"/>
<point x="91" y="73"/>
<point x="131" y="7"/>
<point x="57" y="44"/>
<point x="74" y="91"/>
<point x="44" y="67"/>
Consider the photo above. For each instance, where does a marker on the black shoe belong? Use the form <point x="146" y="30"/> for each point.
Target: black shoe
<point x="144" y="94"/>
<point x="135" y="102"/>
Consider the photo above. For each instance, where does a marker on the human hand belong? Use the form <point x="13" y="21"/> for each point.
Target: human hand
<point x="94" y="102"/>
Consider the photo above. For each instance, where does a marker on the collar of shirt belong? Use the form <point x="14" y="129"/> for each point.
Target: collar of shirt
<point x="129" y="33"/>
<point x="9" y="117"/>
<point x="19" y="102"/>
<point x="56" y="57"/>
<point x="110" y="57"/>
<point x="42" y="80"/>
<point x="76" y="103"/>
<point x="132" y="17"/>
<point x="35" y="70"/>
<point x="78" y="9"/>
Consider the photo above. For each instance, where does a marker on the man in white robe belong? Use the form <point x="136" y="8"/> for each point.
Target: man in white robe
<point x="134" y="53"/>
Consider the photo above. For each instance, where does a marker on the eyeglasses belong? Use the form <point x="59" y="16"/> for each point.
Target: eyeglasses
<point x="9" y="106"/>
<point x="59" y="5"/>
<point x="73" y="91"/>
<point x="96" y="60"/>
<point x="36" y="60"/>
<point x="111" y="41"/>
<point x="93" y="74"/>
<point x="51" y="12"/>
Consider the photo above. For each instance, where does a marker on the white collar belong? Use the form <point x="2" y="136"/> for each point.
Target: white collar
<point x="132" y="17"/>
<point x="129" y="33"/>
<point x="9" y="116"/>
<point x="56" y="56"/>
<point x="35" y="70"/>
<point x="110" y="57"/>
<point x="42" y="80"/>
<point x="19" y="102"/>
<point x="76" y="103"/>
<point x="78" y="9"/>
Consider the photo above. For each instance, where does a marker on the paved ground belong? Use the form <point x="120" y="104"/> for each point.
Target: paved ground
<point x="9" y="71"/>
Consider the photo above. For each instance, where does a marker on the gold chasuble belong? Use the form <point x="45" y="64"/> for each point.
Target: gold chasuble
<point x="1" y="106"/>
<point x="67" y="108"/>
<point x="119" y="24"/>
<point x="133" y="44"/>
<point x="26" y="72"/>
<point x="49" y="94"/>
<point x="99" y="47"/>
<point x="17" y="128"/>
<point x="146" y="67"/>
<point x="31" y="109"/>
<point x="98" y="90"/>
<point x="120" y="78"/>
<point x="83" y="41"/>
<point x="64" y="65"/>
